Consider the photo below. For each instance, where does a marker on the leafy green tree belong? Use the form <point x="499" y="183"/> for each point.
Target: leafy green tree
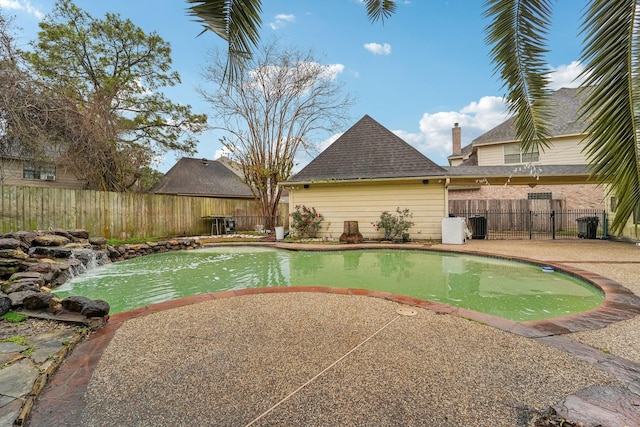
<point x="270" y="112"/>
<point x="109" y="74"/>
<point x="517" y="35"/>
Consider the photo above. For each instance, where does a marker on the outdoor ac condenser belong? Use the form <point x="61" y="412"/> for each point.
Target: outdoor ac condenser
<point x="453" y="231"/>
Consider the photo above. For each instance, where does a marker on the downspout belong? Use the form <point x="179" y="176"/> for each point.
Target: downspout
<point x="446" y="197"/>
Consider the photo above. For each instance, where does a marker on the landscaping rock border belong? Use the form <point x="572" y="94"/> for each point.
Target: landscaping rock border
<point x="34" y="263"/>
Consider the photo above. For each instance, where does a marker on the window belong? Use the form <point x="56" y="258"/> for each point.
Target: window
<point x="513" y="154"/>
<point x="38" y="171"/>
<point x="539" y="196"/>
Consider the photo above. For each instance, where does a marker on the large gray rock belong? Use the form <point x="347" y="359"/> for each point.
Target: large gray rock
<point x="50" y="240"/>
<point x="98" y="241"/>
<point x="75" y="303"/>
<point x="19" y="286"/>
<point x="10" y="243"/>
<point x="17" y="298"/>
<point x="51" y="252"/>
<point x="26" y="237"/>
<point x="13" y="253"/>
<point x="31" y="275"/>
<point x="37" y="301"/>
<point x="96" y="308"/>
<point x="5" y="304"/>
<point x="62" y="232"/>
<point x="79" y="233"/>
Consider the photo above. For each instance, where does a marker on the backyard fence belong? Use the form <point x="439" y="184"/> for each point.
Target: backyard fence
<point x="561" y="224"/>
<point x="121" y="215"/>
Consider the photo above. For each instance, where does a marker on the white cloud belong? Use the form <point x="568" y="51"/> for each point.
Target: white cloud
<point x="222" y="152"/>
<point x="24" y="5"/>
<point x="280" y="20"/>
<point x="378" y="49"/>
<point x="434" y="138"/>
<point x="567" y="75"/>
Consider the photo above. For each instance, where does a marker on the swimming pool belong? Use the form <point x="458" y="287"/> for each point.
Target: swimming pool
<point x="508" y="289"/>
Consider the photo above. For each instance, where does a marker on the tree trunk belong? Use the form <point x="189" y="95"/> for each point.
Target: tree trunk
<point x="351" y="233"/>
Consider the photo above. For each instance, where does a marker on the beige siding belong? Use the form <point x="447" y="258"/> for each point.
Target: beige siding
<point x="11" y="174"/>
<point x="490" y="155"/>
<point x="563" y="151"/>
<point x="364" y="202"/>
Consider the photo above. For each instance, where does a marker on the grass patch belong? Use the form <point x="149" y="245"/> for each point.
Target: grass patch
<point x="133" y="241"/>
<point x="21" y="340"/>
<point x="13" y="317"/>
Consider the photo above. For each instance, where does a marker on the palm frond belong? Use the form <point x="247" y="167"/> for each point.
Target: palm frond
<point x="236" y="21"/>
<point x="612" y="62"/>
<point x="380" y="9"/>
<point x="517" y="34"/>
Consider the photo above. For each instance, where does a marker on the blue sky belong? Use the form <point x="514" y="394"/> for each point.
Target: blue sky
<point x="422" y="71"/>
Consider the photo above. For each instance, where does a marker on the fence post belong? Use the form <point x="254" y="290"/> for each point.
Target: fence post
<point x="604" y="225"/>
<point x="553" y="225"/>
<point x="530" y="225"/>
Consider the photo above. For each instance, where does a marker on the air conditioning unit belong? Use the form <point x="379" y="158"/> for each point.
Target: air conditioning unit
<point x="48" y="177"/>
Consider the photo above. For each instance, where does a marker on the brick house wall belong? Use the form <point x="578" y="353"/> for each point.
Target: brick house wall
<point x="577" y="196"/>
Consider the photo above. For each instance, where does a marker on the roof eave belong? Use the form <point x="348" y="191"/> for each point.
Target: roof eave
<point x="361" y="180"/>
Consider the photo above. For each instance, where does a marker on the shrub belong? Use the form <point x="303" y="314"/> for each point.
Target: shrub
<point x="305" y="222"/>
<point x="395" y="225"/>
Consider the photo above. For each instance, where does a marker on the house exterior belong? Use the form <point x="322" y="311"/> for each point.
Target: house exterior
<point x="366" y="171"/>
<point x="204" y="178"/>
<point x="20" y="169"/>
<point x="493" y="166"/>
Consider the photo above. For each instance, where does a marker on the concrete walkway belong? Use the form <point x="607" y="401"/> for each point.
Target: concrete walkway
<point x="325" y="356"/>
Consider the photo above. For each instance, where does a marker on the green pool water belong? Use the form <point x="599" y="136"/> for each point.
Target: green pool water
<point x="503" y="288"/>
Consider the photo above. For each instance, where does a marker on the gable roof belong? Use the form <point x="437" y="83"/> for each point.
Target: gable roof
<point x="368" y="150"/>
<point x="565" y="120"/>
<point x="565" y="106"/>
<point x="202" y="177"/>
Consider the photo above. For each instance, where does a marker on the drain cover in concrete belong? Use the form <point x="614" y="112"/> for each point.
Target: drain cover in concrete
<point x="406" y="311"/>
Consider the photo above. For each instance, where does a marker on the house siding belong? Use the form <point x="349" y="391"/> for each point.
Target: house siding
<point x="562" y="151"/>
<point x="11" y="174"/>
<point x="490" y="155"/>
<point x="364" y="202"/>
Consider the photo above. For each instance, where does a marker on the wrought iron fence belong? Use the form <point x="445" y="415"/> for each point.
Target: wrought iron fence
<point x="530" y="224"/>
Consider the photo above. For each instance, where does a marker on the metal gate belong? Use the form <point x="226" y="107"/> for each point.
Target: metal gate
<point x="538" y="225"/>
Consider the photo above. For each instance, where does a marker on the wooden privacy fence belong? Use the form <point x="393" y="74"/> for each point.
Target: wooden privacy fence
<point x="117" y="215"/>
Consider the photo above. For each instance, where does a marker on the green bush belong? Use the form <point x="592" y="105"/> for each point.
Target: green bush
<point x="395" y="225"/>
<point x="305" y="222"/>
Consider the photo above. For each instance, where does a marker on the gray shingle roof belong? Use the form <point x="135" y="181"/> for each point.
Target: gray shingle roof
<point x="516" y="170"/>
<point x="368" y="150"/>
<point x="201" y="177"/>
<point x="565" y="104"/>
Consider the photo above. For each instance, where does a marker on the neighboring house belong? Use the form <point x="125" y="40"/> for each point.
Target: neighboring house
<point x="19" y="168"/>
<point x="366" y="171"/>
<point x="204" y="178"/>
<point x="493" y="166"/>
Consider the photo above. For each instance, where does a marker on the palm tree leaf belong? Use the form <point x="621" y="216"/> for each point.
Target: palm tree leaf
<point x="612" y="59"/>
<point x="380" y="9"/>
<point x="236" y="21"/>
<point x="517" y="34"/>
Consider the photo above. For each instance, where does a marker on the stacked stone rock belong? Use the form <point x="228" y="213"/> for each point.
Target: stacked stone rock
<point x="33" y="263"/>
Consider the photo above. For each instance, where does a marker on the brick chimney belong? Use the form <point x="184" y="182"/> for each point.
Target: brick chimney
<point x="456" y="137"/>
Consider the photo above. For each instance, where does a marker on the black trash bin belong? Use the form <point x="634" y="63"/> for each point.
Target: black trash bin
<point x="588" y="227"/>
<point x="478" y="226"/>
